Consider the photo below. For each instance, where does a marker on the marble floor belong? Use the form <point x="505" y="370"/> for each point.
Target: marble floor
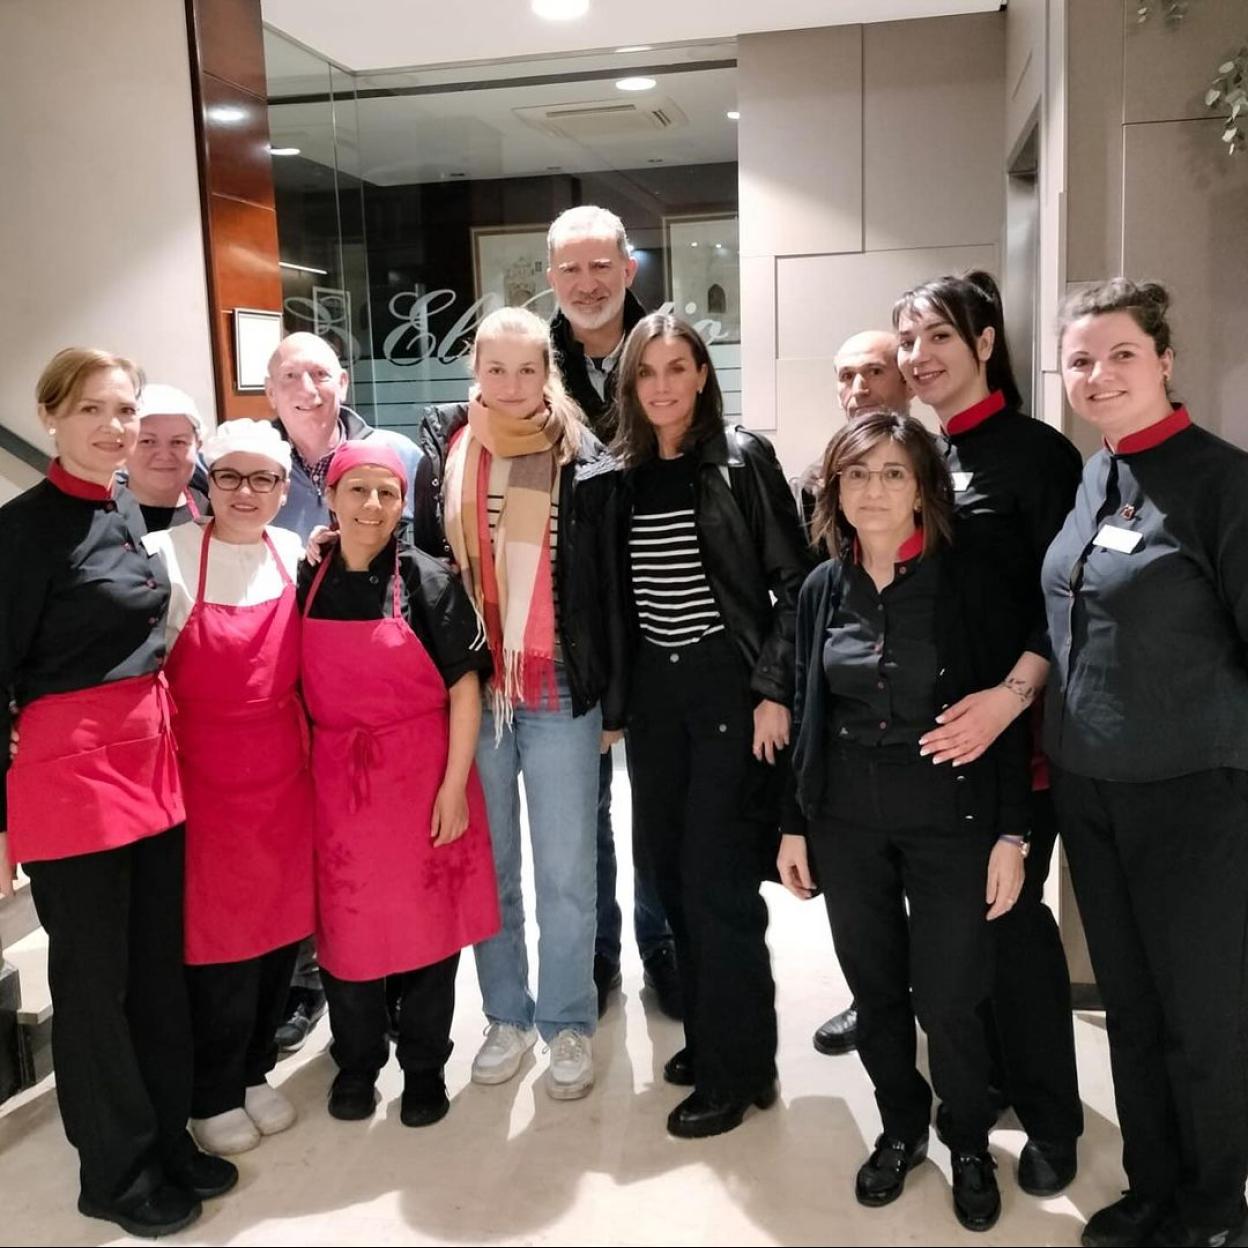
<point x="511" y="1166"/>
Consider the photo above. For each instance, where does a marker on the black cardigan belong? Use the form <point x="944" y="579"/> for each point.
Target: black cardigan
<point x="977" y="645"/>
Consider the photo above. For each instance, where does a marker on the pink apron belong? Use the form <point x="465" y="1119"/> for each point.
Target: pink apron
<point x="387" y="900"/>
<point x="243" y="750"/>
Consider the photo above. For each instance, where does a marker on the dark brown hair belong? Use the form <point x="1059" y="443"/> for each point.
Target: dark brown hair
<point x="852" y="444"/>
<point x="971" y="303"/>
<point x="1147" y="303"/>
<point x="635" y="440"/>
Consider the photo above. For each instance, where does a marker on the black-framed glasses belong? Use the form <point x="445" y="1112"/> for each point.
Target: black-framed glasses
<point x="261" y="482"/>
<point x="892" y="477"/>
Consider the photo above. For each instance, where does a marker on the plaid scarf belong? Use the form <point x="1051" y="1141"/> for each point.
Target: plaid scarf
<point x="509" y="580"/>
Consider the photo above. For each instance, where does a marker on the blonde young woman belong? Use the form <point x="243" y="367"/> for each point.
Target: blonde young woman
<point x="525" y="493"/>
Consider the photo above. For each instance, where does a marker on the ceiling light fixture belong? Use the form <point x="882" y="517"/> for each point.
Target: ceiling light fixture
<point x="560" y="10"/>
<point x="636" y="84"/>
<point x="284" y="151"/>
<point x="733" y="115"/>
<point x="302" y="268"/>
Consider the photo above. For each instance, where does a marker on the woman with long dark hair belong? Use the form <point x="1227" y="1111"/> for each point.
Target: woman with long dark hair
<point x="1014" y="480"/>
<point x="715" y="559"/>
<point x="894" y="627"/>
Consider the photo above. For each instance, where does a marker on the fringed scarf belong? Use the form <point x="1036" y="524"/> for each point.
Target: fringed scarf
<point x="508" y="579"/>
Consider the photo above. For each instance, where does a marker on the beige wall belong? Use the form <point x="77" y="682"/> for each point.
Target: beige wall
<point x="100" y="234"/>
<point x="870" y="159"/>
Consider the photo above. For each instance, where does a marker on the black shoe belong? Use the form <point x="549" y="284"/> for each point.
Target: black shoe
<point x="305" y="1006"/>
<point x="701" y="1114"/>
<point x="662" y="977"/>
<point x="607" y="979"/>
<point x="203" y="1175"/>
<point x="1044" y="1169"/>
<point x="167" y="1210"/>
<point x="353" y="1096"/>
<point x="882" y="1177"/>
<point x="840" y="1033"/>
<point x="1172" y="1232"/>
<point x="1131" y="1220"/>
<point x="976" y="1200"/>
<point x="678" y="1070"/>
<point x="424" y="1100"/>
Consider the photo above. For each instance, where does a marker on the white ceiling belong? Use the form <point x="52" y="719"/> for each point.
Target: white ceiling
<point x="380" y="34"/>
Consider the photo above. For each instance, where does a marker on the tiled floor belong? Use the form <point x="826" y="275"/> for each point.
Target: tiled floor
<point x="511" y="1166"/>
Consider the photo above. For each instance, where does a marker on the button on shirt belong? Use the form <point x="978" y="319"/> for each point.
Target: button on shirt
<point x="1149" y="679"/>
<point x="879" y="654"/>
<point x="82" y="604"/>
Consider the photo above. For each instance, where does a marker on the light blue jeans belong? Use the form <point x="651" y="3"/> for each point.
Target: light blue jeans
<point x="558" y="757"/>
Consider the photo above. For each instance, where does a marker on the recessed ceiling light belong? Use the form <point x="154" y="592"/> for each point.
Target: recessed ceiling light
<point x="636" y="47"/>
<point x="227" y="113"/>
<point x="560" y="10"/>
<point x="733" y="115"/>
<point x="694" y="243"/>
<point x="283" y="151"/>
<point x="636" y="84"/>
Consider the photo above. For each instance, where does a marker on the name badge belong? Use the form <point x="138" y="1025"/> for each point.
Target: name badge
<point x="1113" y="538"/>
<point x="961" y="482"/>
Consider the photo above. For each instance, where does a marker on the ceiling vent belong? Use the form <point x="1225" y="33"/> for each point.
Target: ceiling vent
<point x="604" y="119"/>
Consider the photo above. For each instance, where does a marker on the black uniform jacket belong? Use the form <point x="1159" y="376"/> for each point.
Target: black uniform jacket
<point x="587" y="566"/>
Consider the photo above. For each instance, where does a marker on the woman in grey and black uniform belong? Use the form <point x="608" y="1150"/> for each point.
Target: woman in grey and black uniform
<point x="895" y="627"/>
<point x="1147" y="726"/>
<point x="1014" y="480"/>
<point x="716" y="558"/>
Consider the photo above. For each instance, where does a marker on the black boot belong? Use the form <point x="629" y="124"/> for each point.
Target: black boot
<point x="353" y="1096"/>
<point x="882" y="1177"/>
<point x="840" y="1033"/>
<point x="424" y="1099"/>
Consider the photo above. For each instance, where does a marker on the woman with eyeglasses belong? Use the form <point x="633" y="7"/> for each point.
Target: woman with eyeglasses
<point x="233" y="632"/>
<point x="893" y="628"/>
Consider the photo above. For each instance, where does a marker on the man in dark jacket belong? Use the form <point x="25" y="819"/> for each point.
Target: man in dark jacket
<point x="591" y="270"/>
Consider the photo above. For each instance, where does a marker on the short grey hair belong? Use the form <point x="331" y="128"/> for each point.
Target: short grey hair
<point x="587" y="221"/>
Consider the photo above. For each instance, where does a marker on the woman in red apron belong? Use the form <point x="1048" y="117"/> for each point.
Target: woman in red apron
<point x="93" y="808"/>
<point x="393" y="656"/>
<point x="233" y="669"/>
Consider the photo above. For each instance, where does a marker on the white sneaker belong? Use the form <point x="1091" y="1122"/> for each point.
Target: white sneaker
<point x="225" y="1134"/>
<point x="571" y="1073"/>
<point x="500" y="1056"/>
<point x="268" y="1109"/>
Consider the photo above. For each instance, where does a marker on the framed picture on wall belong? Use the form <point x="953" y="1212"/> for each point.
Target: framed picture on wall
<point x="704" y="273"/>
<point x="256" y="335"/>
<point x="509" y="263"/>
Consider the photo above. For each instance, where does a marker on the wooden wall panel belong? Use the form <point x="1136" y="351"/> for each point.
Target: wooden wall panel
<point x="236" y="179"/>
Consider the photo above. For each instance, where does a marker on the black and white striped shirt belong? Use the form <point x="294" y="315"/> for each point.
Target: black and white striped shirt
<point x="675" y="606"/>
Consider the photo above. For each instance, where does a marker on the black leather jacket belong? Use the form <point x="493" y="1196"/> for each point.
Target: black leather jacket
<point x="753" y="549"/>
<point x="587" y="568"/>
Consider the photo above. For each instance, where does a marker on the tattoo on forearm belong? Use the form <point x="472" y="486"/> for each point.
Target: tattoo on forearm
<point x="1026" y="693"/>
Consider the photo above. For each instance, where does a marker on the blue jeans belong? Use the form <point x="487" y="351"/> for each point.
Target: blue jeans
<point x="649" y="918"/>
<point x="558" y="757"/>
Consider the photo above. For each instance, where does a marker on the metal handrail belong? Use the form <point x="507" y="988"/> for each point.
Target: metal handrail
<point x="19" y="448"/>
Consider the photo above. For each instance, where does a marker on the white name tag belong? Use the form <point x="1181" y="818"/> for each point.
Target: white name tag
<point x="1114" y="538"/>
<point x="961" y="481"/>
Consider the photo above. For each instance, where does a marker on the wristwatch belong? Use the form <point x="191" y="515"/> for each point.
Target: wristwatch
<point x="1021" y="843"/>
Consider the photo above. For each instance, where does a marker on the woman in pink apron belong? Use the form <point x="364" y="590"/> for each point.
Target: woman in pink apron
<point x="92" y="806"/>
<point x="393" y="656"/>
<point x="242" y="736"/>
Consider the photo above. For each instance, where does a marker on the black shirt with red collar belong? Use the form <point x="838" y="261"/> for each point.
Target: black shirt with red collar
<point x="1014" y="482"/>
<point x="82" y="603"/>
<point x="1146" y="588"/>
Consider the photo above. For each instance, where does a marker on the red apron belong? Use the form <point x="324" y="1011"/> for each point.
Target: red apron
<point x="387" y="900"/>
<point x="96" y="770"/>
<point x="243" y="748"/>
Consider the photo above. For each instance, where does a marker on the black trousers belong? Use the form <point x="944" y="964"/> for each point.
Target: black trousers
<point x="894" y="836"/>
<point x="359" y="1019"/>
<point x="121" y="1035"/>
<point x="1160" y="871"/>
<point x="235" y="1009"/>
<point x="1032" y="1033"/>
<point x="700" y="801"/>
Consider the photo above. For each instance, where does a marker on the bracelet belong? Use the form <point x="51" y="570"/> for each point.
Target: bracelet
<point x="1020" y="843"/>
<point x="1024" y="692"/>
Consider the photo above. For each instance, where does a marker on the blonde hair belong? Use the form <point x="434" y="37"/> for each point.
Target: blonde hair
<point x="529" y="327"/>
<point x="66" y="373"/>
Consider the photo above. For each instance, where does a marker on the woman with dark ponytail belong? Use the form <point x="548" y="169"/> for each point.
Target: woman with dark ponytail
<point x="1014" y="481"/>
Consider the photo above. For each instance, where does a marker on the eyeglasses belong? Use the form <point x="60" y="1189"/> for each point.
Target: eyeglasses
<point x="257" y="482"/>
<point x="856" y="477"/>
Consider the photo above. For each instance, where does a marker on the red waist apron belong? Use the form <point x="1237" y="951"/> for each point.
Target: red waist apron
<point x="96" y="770"/>
<point x="243" y="749"/>
<point x="387" y="900"/>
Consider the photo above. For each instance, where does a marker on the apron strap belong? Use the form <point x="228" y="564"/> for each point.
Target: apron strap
<point x="316" y="584"/>
<point x="203" y="562"/>
<point x="191" y="505"/>
<point x="281" y="567"/>
<point x="395" y="611"/>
